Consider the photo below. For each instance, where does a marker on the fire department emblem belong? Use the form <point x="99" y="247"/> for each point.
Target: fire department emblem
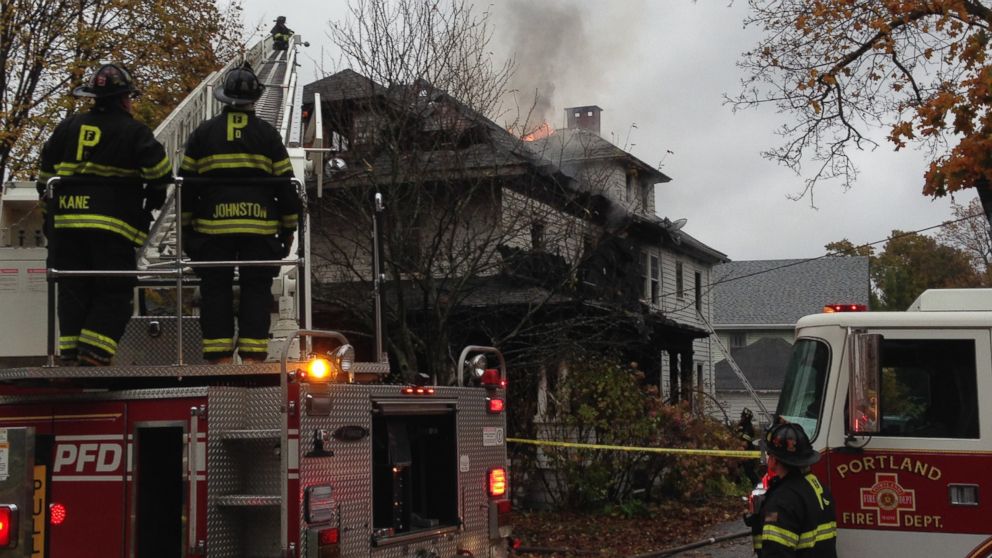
<point x="888" y="498"/>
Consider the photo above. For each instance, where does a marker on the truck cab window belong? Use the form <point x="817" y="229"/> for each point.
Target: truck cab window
<point x="801" y="401"/>
<point x="929" y="388"/>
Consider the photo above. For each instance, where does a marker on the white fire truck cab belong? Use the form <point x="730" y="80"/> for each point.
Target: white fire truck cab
<point x="900" y="406"/>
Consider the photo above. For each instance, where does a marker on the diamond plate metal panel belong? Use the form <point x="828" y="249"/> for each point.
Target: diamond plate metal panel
<point x="96" y="372"/>
<point x="349" y="471"/>
<point x="243" y="473"/>
<point x="140" y="345"/>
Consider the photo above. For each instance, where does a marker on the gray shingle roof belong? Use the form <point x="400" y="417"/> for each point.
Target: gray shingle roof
<point x="782" y="291"/>
<point x="570" y="146"/>
<point x="763" y="362"/>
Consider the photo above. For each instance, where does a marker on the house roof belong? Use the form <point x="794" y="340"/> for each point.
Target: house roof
<point x="652" y="224"/>
<point x="569" y="146"/>
<point x="342" y="86"/>
<point x="763" y="362"/>
<point x="779" y="292"/>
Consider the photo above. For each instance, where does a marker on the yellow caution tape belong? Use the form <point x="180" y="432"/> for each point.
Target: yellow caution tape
<point x="740" y="454"/>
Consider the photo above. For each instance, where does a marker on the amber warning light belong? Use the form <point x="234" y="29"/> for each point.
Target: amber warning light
<point x="497" y="481"/>
<point x="831" y="308"/>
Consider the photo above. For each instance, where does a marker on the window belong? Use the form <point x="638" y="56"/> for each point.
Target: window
<point x="801" y="401"/>
<point x="655" y="280"/>
<point x="929" y="388"/>
<point x="631" y="185"/>
<point x="679" y="283"/>
<point x="645" y="198"/>
<point x="699" y="291"/>
<point x="738" y="339"/>
<point x="645" y="283"/>
<point x="537" y="236"/>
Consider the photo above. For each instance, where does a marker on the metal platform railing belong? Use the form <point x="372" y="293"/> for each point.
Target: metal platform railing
<point x="177" y="266"/>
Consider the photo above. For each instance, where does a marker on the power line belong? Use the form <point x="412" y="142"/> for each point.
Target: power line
<point x="711" y="285"/>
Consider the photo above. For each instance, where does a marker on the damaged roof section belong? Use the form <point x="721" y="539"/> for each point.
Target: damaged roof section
<point x="572" y="147"/>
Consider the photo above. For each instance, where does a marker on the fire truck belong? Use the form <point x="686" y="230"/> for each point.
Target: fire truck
<point x="162" y="455"/>
<point x="899" y="404"/>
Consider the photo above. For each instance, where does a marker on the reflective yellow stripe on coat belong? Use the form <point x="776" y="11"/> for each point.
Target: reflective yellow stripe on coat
<point x="101" y="222"/>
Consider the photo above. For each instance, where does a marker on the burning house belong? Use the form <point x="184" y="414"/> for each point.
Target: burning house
<point x="545" y="245"/>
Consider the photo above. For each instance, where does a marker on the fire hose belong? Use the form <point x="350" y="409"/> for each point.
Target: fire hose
<point x="691" y="546"/>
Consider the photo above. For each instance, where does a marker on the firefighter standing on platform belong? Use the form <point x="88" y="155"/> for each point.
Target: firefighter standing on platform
<point x="280" y="34"/>
<point x="95" y="222"/>
<point x="233" y="219"/>
<point x="797" y="518"/>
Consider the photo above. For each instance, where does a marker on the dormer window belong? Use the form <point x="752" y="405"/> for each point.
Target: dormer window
<point x="537" y="236"/>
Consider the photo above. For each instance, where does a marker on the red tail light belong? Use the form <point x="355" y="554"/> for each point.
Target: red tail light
<point x="497" y="482"/>
<point x="328" y="536"/>
<point x="8" y="526"/>
<point x="491" y="378"/>
<point x="496" y="405"/>
<point x="418" y="390"/>
<point x="56" y="514"/>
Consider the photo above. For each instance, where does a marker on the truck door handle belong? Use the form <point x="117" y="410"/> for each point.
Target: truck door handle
<point x="963" y="494"/>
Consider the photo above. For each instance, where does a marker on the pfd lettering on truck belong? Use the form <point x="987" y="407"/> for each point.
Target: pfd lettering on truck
<point x="88" y="458"/>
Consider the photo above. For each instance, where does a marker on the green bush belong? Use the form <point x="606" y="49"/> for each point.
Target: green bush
<point x="599" y="401"/>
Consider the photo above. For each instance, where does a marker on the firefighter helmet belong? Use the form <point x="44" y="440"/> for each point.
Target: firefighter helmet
<point x="789" y="444"/>
<point x="109" y="80"/>
<point x="281" y="19"/>
<point x="241" y="87"/>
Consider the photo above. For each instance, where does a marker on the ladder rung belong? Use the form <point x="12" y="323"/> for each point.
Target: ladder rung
<point x="248" y="501"/>
<point x="251" y="434"/>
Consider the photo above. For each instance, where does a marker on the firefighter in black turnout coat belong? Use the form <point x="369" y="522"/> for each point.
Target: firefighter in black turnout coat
<point x="797" y="518"/>
<point x="115" y="174"/>
<point x="237" y="220"/>
<point x="280" y="34"/>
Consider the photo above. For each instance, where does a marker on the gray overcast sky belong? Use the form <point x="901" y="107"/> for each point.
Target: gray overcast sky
<point x="664" y="67"/>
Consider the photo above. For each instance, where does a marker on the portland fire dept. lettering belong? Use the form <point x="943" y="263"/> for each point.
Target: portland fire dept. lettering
<point x="243" y="209"/>
<point x="87" y="458"/>
<point x="889" y="463"/>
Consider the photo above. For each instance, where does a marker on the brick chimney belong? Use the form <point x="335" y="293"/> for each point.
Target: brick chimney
<point x="586" y="118"/>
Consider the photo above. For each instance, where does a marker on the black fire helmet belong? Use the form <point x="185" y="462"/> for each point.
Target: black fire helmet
<point x="241" y="87"/>
<point x="789" y="444"/>
<point x="109" y="80"/>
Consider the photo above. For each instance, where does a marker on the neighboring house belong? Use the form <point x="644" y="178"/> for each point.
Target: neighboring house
<point x="756" y="307"/>
<point x="560" y="231"/>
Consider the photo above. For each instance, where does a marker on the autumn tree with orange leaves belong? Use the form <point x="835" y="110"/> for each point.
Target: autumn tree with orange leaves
<point x="48" y="46"/>
<point x="919" y="69"/>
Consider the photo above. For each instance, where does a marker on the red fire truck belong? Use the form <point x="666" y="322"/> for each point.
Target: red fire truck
<point x="312" y="455"/>
<point x="900" y="406"/>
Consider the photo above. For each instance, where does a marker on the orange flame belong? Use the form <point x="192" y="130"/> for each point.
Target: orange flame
<point x="541" y="132"/>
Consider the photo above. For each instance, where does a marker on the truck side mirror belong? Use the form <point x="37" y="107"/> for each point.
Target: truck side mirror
<point x="863" y="383"/>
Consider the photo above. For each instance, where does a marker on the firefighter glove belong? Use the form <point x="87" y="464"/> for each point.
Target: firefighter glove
<point x="286" y="239"/>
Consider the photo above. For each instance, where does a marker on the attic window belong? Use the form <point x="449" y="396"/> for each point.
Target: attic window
<point x="738" y="339"/>
<point x="589" y="113"/>
<point x="578" y="114"/>
<point x="537" y="236"/>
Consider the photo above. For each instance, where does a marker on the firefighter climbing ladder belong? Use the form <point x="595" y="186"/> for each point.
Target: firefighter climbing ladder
<point x="733" y="366"/>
